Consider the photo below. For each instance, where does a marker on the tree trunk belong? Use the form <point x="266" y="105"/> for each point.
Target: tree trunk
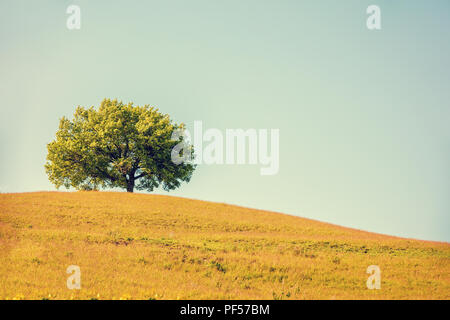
<point x="130" y="185"/>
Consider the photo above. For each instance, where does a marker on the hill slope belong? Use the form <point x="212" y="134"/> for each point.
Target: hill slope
<point x="150" y="246"/>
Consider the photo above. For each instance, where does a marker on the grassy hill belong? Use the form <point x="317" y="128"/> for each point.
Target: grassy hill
<point x="135" y="246"/>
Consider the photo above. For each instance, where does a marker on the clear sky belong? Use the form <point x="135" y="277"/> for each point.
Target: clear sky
<point x="363" y="115"/>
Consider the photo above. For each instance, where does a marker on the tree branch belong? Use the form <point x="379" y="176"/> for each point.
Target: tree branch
<point x="140" y="176"/>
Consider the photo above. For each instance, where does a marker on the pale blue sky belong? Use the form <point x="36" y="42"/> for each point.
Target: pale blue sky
<point x="363" y="115"/>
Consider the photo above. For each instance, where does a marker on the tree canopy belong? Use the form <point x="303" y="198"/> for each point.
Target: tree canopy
<point x="118" y="145"/>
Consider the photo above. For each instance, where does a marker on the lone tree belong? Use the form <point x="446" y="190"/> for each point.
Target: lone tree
<point x="120" y="145"/>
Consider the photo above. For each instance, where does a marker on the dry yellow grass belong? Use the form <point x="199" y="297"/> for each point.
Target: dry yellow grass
<point x="158" y="247"/>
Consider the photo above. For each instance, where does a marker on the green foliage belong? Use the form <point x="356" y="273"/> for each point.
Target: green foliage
<point x="118" y="145"/>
